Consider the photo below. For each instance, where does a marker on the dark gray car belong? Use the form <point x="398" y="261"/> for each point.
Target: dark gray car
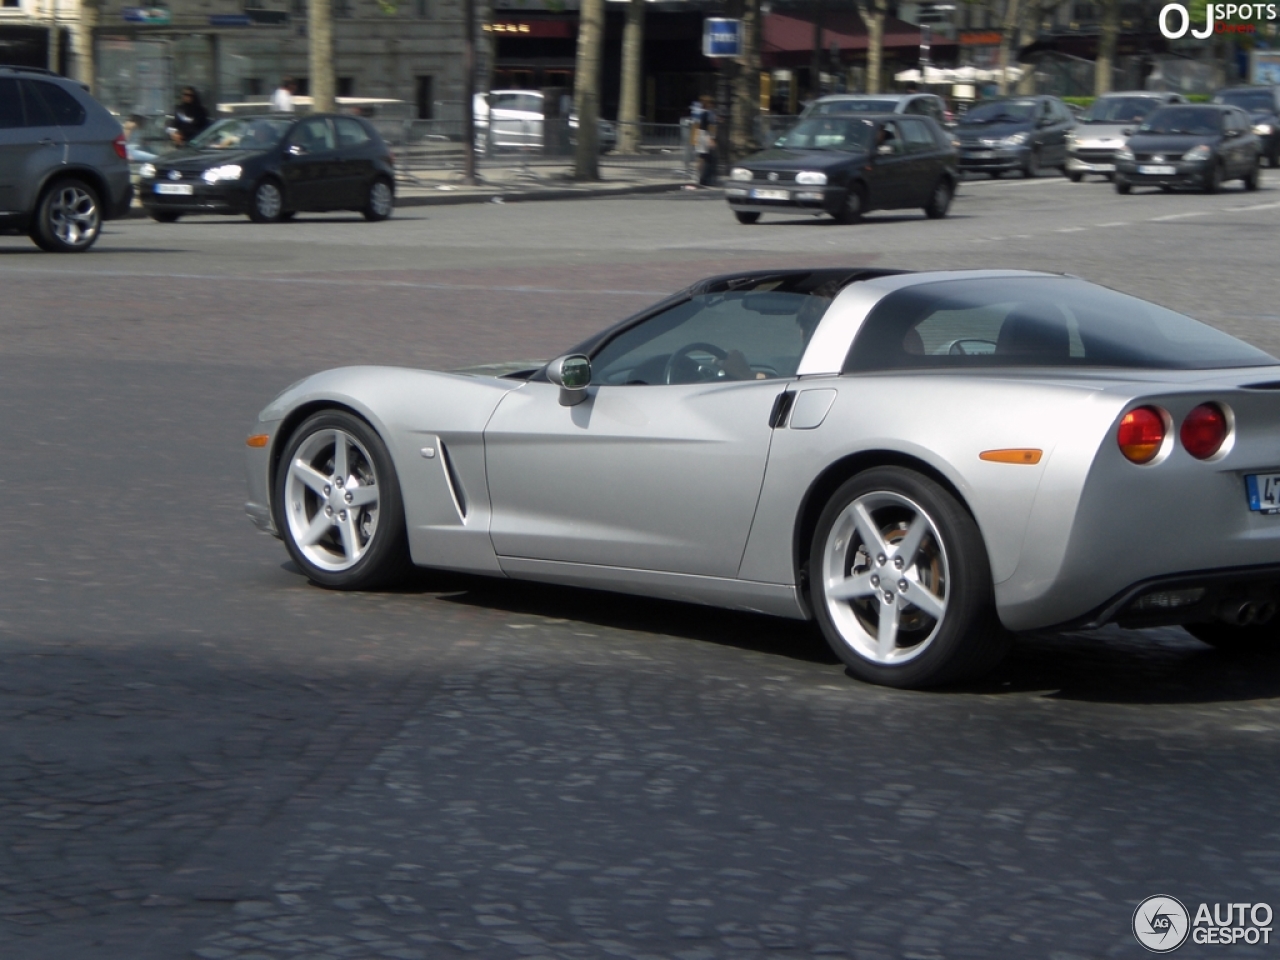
<point x="63" y="166"/>
<point x="1019" y="133"/>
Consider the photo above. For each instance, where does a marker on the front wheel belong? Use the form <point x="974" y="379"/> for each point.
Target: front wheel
<point x="68" y="218"/>
<point x="747" y="216"/>
<point x="940" y="201"/>
<point x="900" y="582"/>
<point x="1032" y="167"/>
<point x="338" y="504"/>
<point x="1075" y="176"/>
<point x="1213" y="178"/>
<point x="380" y="201"/>
<point x="1122" y="186"/>
<point x="164" y="216"/>
<point x="267" y="204"/>
<point x="1251" y="178"/>
<point x="855" y="204"/>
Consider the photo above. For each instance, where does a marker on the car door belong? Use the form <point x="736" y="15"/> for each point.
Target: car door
<point x="660" y="466"/>
<point x="355" y="159"/>
<point x="31" y="143"/>
<point x="890" y="173"/>
<point x="310" y="166"/>
<point x="924" y="163"/>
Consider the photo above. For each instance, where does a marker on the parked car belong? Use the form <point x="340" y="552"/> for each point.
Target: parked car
<point x="519" y="122"/>
<point x="1263" y="106"/>
<point x="1024" y="134"/>
<point x="922" y="463"/>
<point x="1190" y="145"/>
<point x="271" y="167"/>
<point x="1102" y="129"/>
<point x="911" y="104"/>
<point x="845" y="165"/>
<point x="63" y="164"/>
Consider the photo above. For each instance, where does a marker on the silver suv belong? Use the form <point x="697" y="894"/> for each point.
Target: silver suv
<point x="63" y="166"/>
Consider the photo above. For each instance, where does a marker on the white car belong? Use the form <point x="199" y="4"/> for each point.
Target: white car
<point x="518" y="119"/>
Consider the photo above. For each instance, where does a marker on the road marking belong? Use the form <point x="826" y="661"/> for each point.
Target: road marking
<point x="1180" y="216"/>
<point x="1071" y="229"/>
<point x="1256" y="206"/>
<point x="1114" y="223"/>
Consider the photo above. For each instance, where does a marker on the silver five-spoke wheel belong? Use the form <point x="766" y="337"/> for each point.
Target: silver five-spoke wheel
<point x="69" y="218"/>
<point x="381" y="201"/>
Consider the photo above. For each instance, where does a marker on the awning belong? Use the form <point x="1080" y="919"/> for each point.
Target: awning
<point x="787" y="41"/>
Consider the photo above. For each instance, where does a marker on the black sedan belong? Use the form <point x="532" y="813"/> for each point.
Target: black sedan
<point x="1190" y="145"/>
<point x="272" y="167"/>
<point x="847" y="165"/>
<point x="1263" y="106"/>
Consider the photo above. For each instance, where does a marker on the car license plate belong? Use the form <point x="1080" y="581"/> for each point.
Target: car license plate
<point x="176" y="189"/>
<point x="981" y="154"/>
<point x="1264" y="492"/>
<point x="770" y="195"/>
<point x="1157" y="170"/>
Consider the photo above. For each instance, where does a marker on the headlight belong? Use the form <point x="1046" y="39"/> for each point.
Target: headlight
<point x="1071" y="137"/>
<point x="228" y="171"/>
<point x="1262" y="129"/>
<point x="812" y="178"/>
<point x="1014" y="140"/>
<point x="740" y="173"/>
<point x="147" y="170"/>
<point x="1124" y="153"/>
<point x="1201" y="152"/>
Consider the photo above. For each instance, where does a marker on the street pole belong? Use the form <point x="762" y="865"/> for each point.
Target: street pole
<point x="468" y="92"/>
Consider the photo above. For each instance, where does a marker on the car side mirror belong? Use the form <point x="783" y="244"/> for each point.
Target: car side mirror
<point x="572" y="374"/>
<point x="296" y="150"/>
<point x="1127" y="132"/>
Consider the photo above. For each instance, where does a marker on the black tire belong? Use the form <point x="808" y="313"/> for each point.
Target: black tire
<point x="947" y="568"/>
<point x="267" y="203"/>
<point x="358" y="547"/>
<point x="287" y="215"/>
<point x="940" y="200"/>
<point x="1075" y="176"/>
<point x="854" y="206"/>
<point x="1251" y="178"/>
<point x="1213" y="179"/>
<point x="1123" y="186"/>
<point x="747" y="216"/>
<point x="163" y="216"/>
<point x="380" y="200"/>
<point x="68" y="217"/>
<point x="1165" y="188"/>
<point x="1275" y="159"/>
<point x="1031" y="168"/>
<point x="1255" y="638"/>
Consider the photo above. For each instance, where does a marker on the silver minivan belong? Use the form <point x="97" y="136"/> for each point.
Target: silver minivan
<point x="63" y="166"/>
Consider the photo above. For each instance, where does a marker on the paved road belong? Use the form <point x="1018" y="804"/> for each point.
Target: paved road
<point x="200" y="755"/>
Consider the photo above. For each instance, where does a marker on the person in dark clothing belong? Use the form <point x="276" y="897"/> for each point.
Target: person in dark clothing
<point x="189" y="117"/>
<point x="705" y="143"/>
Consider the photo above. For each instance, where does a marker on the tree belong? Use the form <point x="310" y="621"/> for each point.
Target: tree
<point x="745" y="107"/>
<point x="1104" y="65"/>
<point x="632" y="78"/>
<point x="873" y="15"/>
<point x="586" y="89"/>
<point x="320" y="49"/>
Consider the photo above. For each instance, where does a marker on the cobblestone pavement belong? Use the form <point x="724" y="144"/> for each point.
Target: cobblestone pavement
<point x="204" y="756"/>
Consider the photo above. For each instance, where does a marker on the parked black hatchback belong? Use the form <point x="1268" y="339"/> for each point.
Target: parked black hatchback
<point x="847" y="165"/>
<point x="1021" y="134"/>
<point x="272" y="167"/>
<point x="1190" y="145"/>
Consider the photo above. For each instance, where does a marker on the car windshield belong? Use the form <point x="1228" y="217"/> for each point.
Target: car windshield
<point x="1119" y="110"/>
<point x="247" y="133"/>
<point x="1050" y="321"/>
<point x="828" y="133"/>
<point x="852" y="106"/>
<point x="1192" y="121"/>
<point x="1001" y="111"/>
<point x="1255" y="101"/>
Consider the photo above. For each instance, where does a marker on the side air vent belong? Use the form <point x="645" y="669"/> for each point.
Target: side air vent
<point x="451" y="478"/>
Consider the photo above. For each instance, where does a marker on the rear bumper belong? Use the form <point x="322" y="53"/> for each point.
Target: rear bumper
<point x="1184" y="598"/>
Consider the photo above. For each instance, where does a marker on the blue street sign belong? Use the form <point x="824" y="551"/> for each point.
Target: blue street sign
<point x="721" y="37"/>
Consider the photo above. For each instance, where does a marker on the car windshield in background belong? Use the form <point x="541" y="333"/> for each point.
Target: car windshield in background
<point x="1037" y="321"/>
<point x="1001" y="111"/>
<point x="828" y="133"/>
<point x="1191" y="121"/>
<point x="854" y="106"/>
<point x="1255" y="101"/>
<point x="252" y="133"/>
<point x="1119" y="110"/>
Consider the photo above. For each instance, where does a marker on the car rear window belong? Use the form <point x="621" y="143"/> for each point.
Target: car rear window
<point x="67" y="110"/>
<point x="10" y="105"/>
<point x="1021" y="321"/>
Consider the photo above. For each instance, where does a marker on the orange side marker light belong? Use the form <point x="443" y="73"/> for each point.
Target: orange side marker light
<point x="258" y="440"/>
<point x="1017" y="455"/>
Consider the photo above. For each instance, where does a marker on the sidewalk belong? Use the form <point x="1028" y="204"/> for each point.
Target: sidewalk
<point x="521" y="183"/>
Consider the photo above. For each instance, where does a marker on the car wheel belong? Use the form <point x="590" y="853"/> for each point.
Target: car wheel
<point x="1254" y="638"/>
<point x="287" y="215"/>
<point x="1251" y="178"/>
<point x="163" y="216"/>
<point x="1213" y="178"/>
<point x="1075" y="176"/>
<point x="1275" y="159"/>
<point x="1165" y="188"/>
<point x="380" y="202"/>
<point x="855" y="203"/>
<point x="900" y="582"/>
<point x="747" y="216"/>
<point x="1032" y="167"/>
<point x="68" y="218"/>
<point x="940" y="202"/>
<point x="1123" y="186"/>
<point x="267" y="204"/>
<point x="338" y="504"/>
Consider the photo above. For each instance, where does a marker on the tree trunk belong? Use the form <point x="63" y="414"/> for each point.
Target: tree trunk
<point x="873" y="18"/>
<point x="632" y="79"/>
<point x="84" y="67"/>
<point x="586" y="89"/>
<point x="815" y="58"/>
<point x="469" y="92"/>
<point x="746" y="84"/>
<point x="1103" y="67"/>
<point x="1012" y="13"/>
<point x="320" y="43"/>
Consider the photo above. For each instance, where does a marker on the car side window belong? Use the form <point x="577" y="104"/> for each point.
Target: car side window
<point x="916" y="135"/>
<point x="38" y="113"/>
<point x="350" y="132"/>
<point x="67" y="110"/>
<point x="10" y="104"/>
<point x="313" y="135"/>
<point x="889" y="140"/>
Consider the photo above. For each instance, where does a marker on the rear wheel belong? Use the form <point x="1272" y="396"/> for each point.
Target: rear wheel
<point x="900" y="582"/>
<point x="747" y="216"/>
<point x="940" y="201"/>
<point x="267" y="203"/>
<point x="68" y="218"/>
<point x="380" y="201"/>
<point x="338" y="504"/>
<point x="855" y="203"/>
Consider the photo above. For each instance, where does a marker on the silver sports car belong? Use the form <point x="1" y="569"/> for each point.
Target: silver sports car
<point x="924" y="463"/>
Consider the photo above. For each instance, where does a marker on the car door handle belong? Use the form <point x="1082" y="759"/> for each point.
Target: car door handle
<point x="46" y="142"/>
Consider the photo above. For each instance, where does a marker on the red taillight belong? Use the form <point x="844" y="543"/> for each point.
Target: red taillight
<point x="1204" y="431"/>
<point x="1141" y="434"/>
<point x="118" y="143"/>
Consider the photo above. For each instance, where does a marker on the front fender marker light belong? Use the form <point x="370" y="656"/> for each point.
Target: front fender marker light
<point x="1016" y="455"/>
<point x="258" y="440"/>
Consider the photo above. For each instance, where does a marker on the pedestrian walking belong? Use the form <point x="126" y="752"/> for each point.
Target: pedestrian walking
<point x="282" y="99"/>
<point x="189" y="117"/>
<point x="704" y="143"/>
